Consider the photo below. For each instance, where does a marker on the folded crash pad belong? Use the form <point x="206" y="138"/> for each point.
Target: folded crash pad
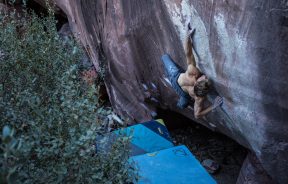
<point x="170" y="166"/>
<point x="145" y="137"/>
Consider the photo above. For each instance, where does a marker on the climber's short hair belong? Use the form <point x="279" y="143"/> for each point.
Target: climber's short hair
<point x="201" y="88"/>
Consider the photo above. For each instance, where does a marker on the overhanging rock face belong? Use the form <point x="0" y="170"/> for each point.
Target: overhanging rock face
<point x="241" y="45"/>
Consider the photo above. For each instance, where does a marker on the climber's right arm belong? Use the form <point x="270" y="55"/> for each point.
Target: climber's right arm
<point x="199" y="112"/>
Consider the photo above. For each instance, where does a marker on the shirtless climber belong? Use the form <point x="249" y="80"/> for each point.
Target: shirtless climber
<point x="190" y="83"/>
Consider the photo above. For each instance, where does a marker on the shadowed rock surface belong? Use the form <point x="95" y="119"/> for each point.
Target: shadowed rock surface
<point x="241" y="46"/>
<point x="252" y="172"/>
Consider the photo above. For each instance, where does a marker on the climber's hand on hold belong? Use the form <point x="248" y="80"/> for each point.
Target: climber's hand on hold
<point x="190" y="33"/>
<point x="217" y="102"/>
<point x="189" y="26"/>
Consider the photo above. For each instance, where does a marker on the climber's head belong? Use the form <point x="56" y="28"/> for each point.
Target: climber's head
<point x="201" y="87"/>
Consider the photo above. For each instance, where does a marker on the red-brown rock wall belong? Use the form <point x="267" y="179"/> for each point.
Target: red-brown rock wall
<point x="242" y="47"/>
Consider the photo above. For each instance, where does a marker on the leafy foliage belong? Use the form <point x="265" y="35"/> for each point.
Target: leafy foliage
<point x="48" y="115"/>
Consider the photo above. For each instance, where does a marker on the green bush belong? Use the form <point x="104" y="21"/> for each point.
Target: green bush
<point x="48" y="115"/>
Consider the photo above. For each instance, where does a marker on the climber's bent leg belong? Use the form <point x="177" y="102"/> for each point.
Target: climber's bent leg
<point x="173" y="72"/>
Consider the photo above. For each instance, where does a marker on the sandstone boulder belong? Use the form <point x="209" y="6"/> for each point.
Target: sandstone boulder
<point x="241" y="46"/>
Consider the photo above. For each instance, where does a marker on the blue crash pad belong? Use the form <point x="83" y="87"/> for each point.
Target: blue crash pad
<point x="175" y="165"/>
<point x="145" y="138"/>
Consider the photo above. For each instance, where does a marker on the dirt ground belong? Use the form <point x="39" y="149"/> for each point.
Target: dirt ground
<point x="206" y="144"/>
